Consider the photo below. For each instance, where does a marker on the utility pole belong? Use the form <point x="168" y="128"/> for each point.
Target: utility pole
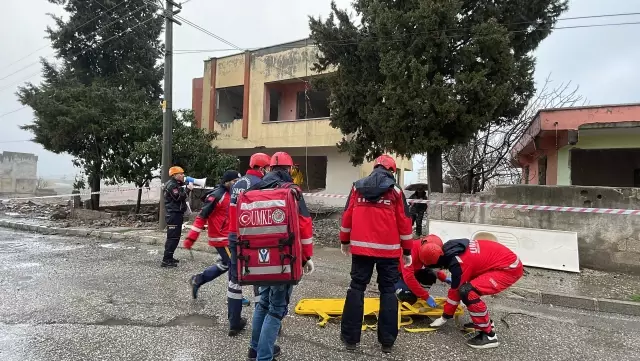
<point x="167" y="107"/>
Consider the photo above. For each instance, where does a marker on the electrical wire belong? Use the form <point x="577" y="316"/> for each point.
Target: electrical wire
<point x="76" y="28"/>
<point x="38" y="62"/>
<point x="91" y="48"/>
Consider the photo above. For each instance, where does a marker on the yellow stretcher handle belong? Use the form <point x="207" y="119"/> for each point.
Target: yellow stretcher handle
<point x="324" y="318"/>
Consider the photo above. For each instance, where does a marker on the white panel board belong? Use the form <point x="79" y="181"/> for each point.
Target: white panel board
<point x="542" y="248"/>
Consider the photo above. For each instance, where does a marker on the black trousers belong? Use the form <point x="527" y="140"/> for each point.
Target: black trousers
<point x="174" y="229"/>
<point x="361" y="272"/>
<point x="417" y="220"/>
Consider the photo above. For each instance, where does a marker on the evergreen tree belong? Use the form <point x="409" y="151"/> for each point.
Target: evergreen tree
<point x="103" y="93"/>
<point x="417" y="76"/>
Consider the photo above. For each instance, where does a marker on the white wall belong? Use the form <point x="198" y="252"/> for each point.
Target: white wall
<point x="18" y="172"/>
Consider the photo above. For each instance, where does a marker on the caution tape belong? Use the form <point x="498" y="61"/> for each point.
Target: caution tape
<point x="486" y="205"/>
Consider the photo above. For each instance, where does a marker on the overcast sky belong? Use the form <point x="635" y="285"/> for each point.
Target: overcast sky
<point x="602" y="60"/>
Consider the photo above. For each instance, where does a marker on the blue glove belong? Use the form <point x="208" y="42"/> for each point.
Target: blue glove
<point x="431" y="302"/>
<point x="448" y="281"/>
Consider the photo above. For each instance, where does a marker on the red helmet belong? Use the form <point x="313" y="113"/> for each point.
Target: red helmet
<point x="432" y="238"/>
<point x="281" y="158"/>
<point x="259" y="160"/>
<point x="386" y="161"/>
<point x="430" y="253"/>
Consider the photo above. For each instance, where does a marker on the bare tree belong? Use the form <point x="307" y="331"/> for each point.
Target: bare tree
<point x="486" y="161"/>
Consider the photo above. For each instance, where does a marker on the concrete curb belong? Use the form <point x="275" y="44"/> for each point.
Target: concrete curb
<point x="535" y="296"/>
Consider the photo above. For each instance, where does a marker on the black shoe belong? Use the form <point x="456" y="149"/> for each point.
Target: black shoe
<point x="387" y="348"/>
<point x="484" y="340"/>
<point x="176" y="261"/>
<point x="253" y="354"/>
<point x="348" y="346"/>
<point x="168" y="264"/>
<point x="236" y="330"/>
<point x="194" y="287"/>
<point x="473" y="325"/>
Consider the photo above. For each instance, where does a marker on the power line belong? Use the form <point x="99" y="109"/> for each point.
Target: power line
<point x="78" y="27"/>
<point x="91" y="48"/>
<point x="80" y="40"/>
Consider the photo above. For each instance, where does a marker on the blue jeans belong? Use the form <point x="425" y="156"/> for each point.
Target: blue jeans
<point x="217" y="269"/>
<point x="267" y="318"/>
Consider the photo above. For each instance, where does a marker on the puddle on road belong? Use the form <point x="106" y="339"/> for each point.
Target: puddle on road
<point x="180" y="321"/>
<point x="116" y="246"/>
<point x="22" y="265"/>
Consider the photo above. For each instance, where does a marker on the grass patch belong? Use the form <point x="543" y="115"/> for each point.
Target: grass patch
<point x="635" y="298"/>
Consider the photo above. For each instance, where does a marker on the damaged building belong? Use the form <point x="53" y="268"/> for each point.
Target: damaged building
<point x="261" y="101"/>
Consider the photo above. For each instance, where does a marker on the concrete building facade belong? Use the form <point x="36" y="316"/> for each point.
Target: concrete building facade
<point x="260" y="101"/>
<point x="18" y="173"/>
<point x="584" y="146"/>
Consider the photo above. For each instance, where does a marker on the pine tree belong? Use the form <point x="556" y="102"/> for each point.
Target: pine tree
<point x="416" y="76"/>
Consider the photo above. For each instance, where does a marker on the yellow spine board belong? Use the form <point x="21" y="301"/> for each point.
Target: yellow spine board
<point x="327" y="308"/>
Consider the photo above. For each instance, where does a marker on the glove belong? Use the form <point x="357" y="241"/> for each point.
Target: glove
<point x="308" y="267"/>
<point x="431" y="302"/>
<point x="407" y="260"/>
<point x="345" y="249"/>
<point x="438" y="322"/>
<point x="448" y="281"/>
<point x="188" y="243"/>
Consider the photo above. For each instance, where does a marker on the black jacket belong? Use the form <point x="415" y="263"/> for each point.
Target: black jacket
<point x="175" y="196"/>
<point x="418" y="207"/>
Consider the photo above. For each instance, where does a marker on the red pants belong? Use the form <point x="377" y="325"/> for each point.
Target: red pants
<point x="486" y="284"/>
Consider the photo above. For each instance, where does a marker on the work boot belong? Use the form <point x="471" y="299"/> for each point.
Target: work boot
<point x="484" y="340"/>
<point x="253" y="354"/>
<point x="176" y="261"/>
<point x="235" y="331"/>
<point x="473" y="325"/>
<point x="194" y="286"/>
<point x="168" y="264"/>
<point x="348" y="346"/>
<point x="387" y="348"/>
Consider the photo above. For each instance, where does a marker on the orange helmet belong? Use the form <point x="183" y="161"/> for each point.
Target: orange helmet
<point x="175" y="170"/>
<point x="386" y="161"/>
<point x="281" y="158"/>
<point x="432" y="238"/>
<point x="259" y="160"/>
<point x="430" y="253"/>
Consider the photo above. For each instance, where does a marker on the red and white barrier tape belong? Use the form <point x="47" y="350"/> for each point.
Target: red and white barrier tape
<point x="520" y="207"/>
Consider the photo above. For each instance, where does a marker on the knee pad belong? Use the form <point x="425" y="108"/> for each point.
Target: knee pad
<point x="468" y="294"/>
<point x="426" y="277"/>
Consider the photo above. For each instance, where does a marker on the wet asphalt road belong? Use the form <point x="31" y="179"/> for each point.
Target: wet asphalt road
<point x="75" y="299"/>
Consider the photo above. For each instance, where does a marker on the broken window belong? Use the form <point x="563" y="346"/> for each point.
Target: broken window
<point x="313" y="104"/>
<point x="229" y="103"/>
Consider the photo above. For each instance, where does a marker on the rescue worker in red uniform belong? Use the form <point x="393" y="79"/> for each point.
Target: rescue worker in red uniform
<point x="258" y="164"/>
<point x="478" y="268"/>
<point x="214" y="213"/>
<point x="417" y="279"/>
<point x="274" y="300"/>
<point x="376" y="230"/>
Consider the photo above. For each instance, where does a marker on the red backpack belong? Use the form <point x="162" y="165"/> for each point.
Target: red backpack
<point x="269" y="250"/>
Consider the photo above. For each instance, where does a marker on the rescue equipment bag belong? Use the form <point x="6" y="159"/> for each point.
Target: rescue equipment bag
<point x="269" y="251"/>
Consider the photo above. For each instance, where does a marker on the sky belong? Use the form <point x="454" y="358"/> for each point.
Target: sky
<point x="601" y="60"/>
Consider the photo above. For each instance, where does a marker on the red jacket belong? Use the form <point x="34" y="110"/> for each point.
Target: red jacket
<point x="467" y="260"/>
<point x="408" y="273"/>
<point x="215" y="213"/>
<point x="376" y="219"/>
